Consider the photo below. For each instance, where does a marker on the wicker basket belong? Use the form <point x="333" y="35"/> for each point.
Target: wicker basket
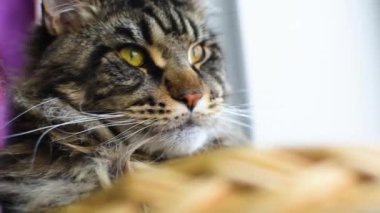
<point x="244" y="180"/>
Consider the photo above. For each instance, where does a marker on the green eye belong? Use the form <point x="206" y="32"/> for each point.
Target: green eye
<point x="132" y="56"/>
<point x="196" y="54"/>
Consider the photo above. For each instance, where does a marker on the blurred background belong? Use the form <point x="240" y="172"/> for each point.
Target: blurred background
<point x="308" y="70"/>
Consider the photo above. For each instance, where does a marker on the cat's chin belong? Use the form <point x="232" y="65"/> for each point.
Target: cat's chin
<point x="179" y="141"/>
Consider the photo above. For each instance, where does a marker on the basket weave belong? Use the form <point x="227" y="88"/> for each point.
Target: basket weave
<point x="244" y="180"/>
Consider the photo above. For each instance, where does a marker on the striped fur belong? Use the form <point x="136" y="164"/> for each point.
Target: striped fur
<point x="84" y="114"/>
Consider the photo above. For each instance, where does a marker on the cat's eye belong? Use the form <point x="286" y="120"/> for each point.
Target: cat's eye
<point x="196" y="54"/>
<point x="132" y="56"/>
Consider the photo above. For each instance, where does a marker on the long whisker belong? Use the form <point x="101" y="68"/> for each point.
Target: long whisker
<point x="28" y="110"/>
<point x="98" y="114"/>
<point x="125" y="135"/>
<point x="236" y="92"/>
<point x="81" y="120"/>
<point x="113" y="124"/>
<point x="52" y="128"/>
<point x="238" y="107"/>
<point x="235" y="122"/>
<point x="118" y="123"/>
<point x="117" y="137"/>
<point x="236" y="113"/>
<point x="140" y="130"/>
<point x="132" y="148"/>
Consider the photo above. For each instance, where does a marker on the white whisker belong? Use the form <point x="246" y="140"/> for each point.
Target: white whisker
<point x="125" y="133"/>
<point x="236" y="113"/>
<point x="81" y="120"/>
<point x="113" y="124"/>
<point x="28" y="110"/>
<point x="235" y="122"/>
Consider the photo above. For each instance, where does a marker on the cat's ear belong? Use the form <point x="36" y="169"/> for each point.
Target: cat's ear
<point x="62" y="16"/>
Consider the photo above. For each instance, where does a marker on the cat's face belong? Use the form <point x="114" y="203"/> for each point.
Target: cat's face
<point x="153" y="61"/>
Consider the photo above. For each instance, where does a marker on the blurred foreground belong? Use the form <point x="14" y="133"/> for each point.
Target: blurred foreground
<point x="245" y="180"/>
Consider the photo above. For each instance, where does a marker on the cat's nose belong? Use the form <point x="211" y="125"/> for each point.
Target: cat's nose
<point x="191" y="100"/>
<point x="184" y="85"/>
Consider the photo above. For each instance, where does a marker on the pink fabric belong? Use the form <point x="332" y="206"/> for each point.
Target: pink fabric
<point x="16" y="17"/>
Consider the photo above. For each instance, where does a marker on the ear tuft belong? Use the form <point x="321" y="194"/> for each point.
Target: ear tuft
<point x="62" y="16"/>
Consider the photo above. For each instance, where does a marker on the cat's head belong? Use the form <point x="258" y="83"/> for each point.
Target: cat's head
<point x="154" y="61"/>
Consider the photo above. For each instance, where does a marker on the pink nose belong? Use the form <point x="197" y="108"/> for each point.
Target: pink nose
<point x="192" y="100"/>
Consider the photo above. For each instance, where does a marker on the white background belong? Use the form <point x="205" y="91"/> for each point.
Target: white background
<point x="312" y="68"/>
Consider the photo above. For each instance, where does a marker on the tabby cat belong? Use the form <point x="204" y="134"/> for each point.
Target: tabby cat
<point x="110" y="82"/>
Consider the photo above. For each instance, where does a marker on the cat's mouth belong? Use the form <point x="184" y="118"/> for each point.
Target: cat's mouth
<point x="173" y="137"/>
<point x="190" y="123"/>
<point x="171" y="127"/>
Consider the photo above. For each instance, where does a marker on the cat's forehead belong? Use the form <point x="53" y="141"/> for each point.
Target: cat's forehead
<point x="112" y="5"/>
<point x="161" y="25"/>
<point x="152" y="7"/>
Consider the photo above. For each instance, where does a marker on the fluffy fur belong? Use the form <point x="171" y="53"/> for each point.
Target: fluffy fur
<point x="82" y="114"/>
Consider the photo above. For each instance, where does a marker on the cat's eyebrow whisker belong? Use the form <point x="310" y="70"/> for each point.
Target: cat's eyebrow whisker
<point x="64" y="7"/>
<point x="203" y="37"/>
<point x="28" y="110"/>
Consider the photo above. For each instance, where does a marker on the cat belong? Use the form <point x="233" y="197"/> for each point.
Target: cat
<point x="109" y="83"/>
